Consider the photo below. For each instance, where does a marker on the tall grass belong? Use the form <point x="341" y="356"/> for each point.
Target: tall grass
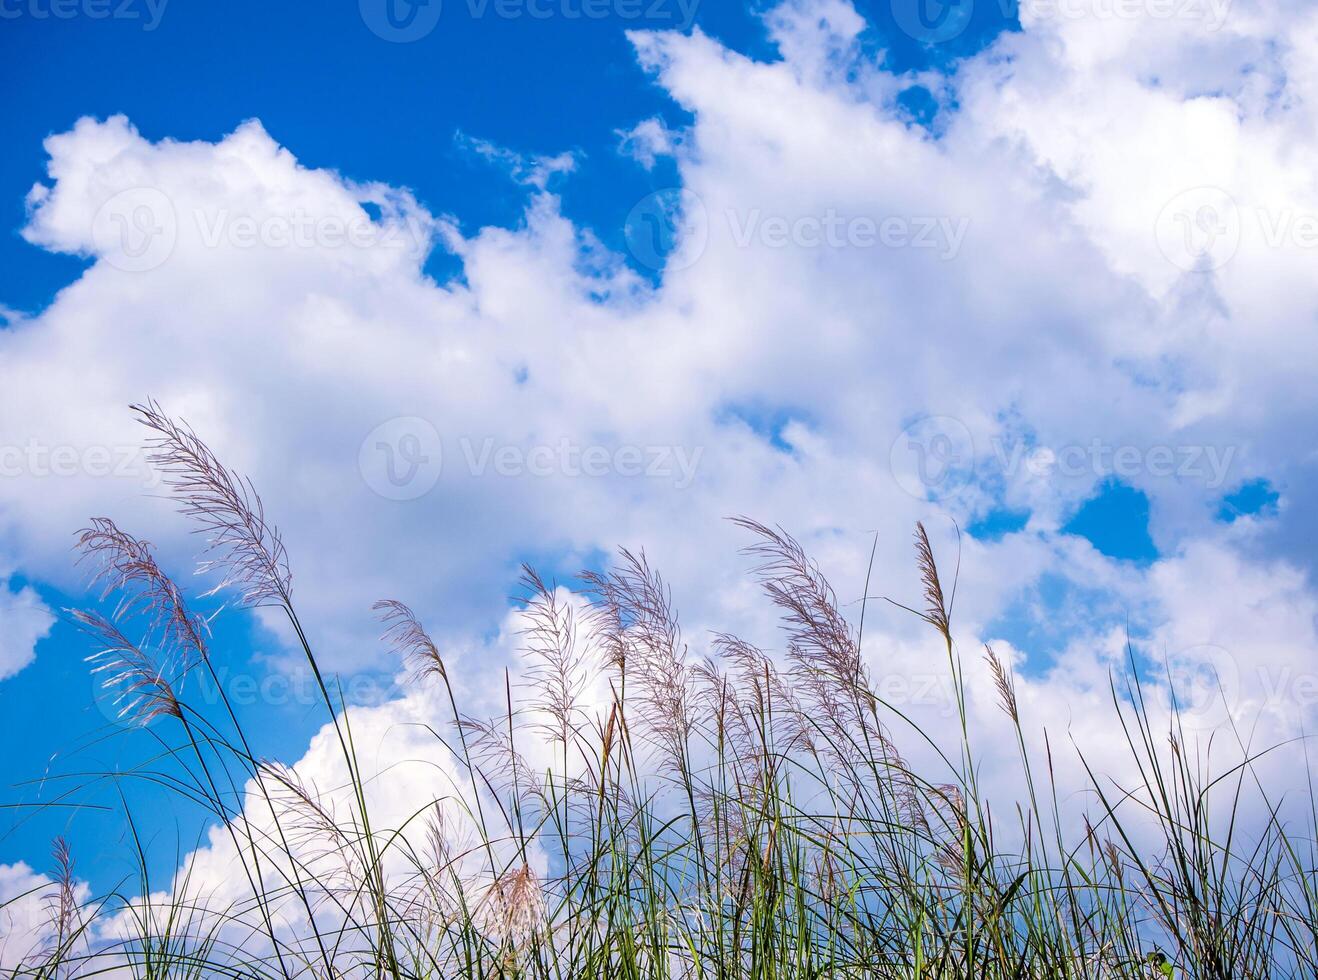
<point x="740" y="816"/>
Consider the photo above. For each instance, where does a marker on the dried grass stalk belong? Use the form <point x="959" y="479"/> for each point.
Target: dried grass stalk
<point x="404" y="632"/>
<point x="143" y="692"/>
<point x="514" y="906"/>
<point x="636" y="624"/>
<point x="249" y="552"/>
<point x="554" y="656"/>
<point x="127" y="568"/>
<point x="1002" y="680"/>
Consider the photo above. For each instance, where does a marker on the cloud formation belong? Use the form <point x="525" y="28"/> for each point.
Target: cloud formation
<point x="24" y="622"/>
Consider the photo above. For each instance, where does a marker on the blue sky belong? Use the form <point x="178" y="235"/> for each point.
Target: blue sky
<point x="1059" y="334"/>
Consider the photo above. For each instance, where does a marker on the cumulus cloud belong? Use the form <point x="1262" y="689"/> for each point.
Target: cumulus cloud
<point x="26" y="918"/>
<point x="24" y="621"/>
<point x="649" y="140"/>
<point x="1098" y="248"/>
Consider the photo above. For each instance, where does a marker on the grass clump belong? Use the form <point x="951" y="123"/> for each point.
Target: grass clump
<point x="637" y="812"/>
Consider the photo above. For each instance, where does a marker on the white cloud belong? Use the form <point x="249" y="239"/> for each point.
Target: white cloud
<point x="29" y="901"/>
<point x="24" y="621"/>
<point x="533" y="171"/>
<point x="649" y="140"/>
